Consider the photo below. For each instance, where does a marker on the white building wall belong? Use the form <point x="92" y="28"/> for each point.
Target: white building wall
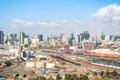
<point x="50" y="65"/>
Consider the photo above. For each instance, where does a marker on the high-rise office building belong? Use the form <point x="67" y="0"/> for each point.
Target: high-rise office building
<point x="112" y="37"/>
<point x="46" y="39"/>
<point x="71" y="39"/>
<point x="10" y="38"/>
<point x="23" y="39"/>
<point x="116" y="37"/>
<point x="5" y="39"/>
<point x="84" y="36"/>
<point x="22" y="34"/>
<point x="107" y="37"/>
<point x="63" y="39"/>
<point x="101" y="36"/>
<point x="40" y="37"/>
<point x="26" y="41"/>
<point x="15" y="37"/>
<point x="1" y="37"/>
<point x="77" y="41"/>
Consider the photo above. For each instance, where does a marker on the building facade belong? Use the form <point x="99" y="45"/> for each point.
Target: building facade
<point x="1" y="37"/>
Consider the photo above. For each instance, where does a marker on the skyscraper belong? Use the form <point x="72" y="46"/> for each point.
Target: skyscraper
<point x="84" y="36"/>
<point x="23" y="38"/>
<point x="101" y="36"/>
<point x="1" y="37"/>
<point x="71" y="39"/>
<point x="40" y="37"/>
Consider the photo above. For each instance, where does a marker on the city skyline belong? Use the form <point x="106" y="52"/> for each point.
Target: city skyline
<point x="55" y="17"/>
<point x="59" y="39"/>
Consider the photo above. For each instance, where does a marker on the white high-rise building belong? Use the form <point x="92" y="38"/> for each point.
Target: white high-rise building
<point x="46" y="39"/>
<point x="64" y="39"/>
<point x="101" y="36"/>
<point x="107" y="38"/>
<point x="26" y="41"/>
<point x="5" y="39"/>
<point x="77" y="40"/>
<point x="23" y="39"/>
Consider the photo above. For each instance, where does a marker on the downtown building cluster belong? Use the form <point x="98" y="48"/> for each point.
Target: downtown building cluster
<point x="83" y="39"/>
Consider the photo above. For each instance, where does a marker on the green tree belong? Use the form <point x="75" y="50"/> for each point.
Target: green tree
<point x="24" y="75"/>
<point x="31" y="79"/>
<point x="114" y="73"/>
<point x="75" y="77"/>
<point x="67" y="77"/>
<point x="80" y="77"/>
<point x="40" y="78"/>
<point x="102" y="74"/>
<point x="83" y="77"/>
<point x="95" y="73"/>
<point x="58" y="77"/>
<point x="107" y="73"/>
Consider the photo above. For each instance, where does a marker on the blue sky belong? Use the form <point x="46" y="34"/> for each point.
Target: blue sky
<point x="56" y="16"/>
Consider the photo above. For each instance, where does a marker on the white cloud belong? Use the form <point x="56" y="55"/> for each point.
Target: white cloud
<point x="53" y="24"/>
<point x="78" y="21"/>
<point x="16" y="23"/>
<point x="108" y="13"/>
<point x="64" y="21"/>
<point x="106" y="19"/>
<point x="63" y="26"/>
<point x="42" y="23"/>
<point x="116" y="18"/>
